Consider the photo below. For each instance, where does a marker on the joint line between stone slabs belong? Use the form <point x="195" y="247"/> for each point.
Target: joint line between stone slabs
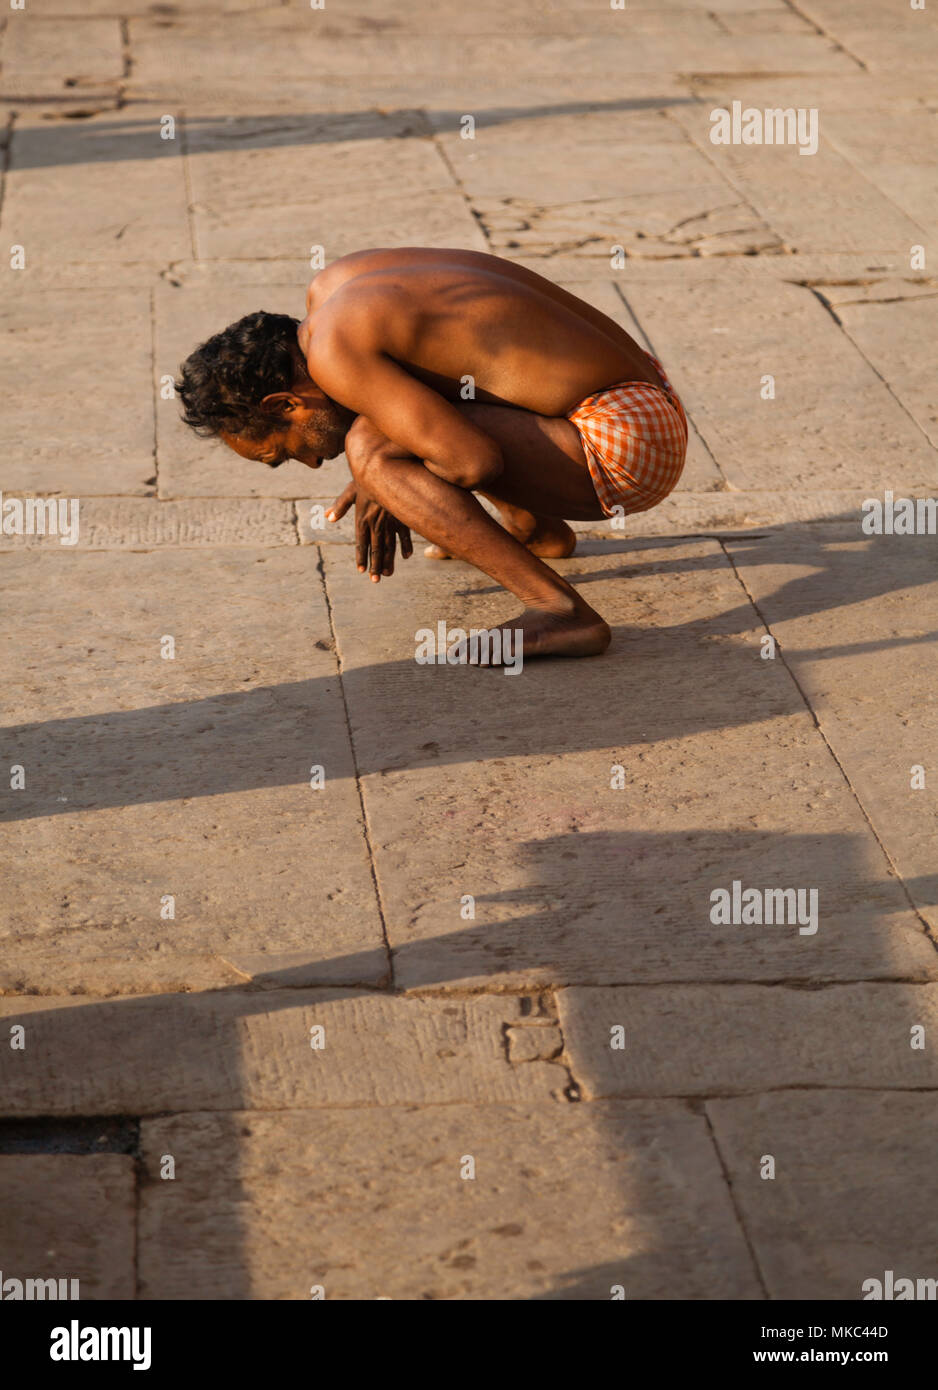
<point x="187" y="179"/>
<point x="872" y="365"/>
<point x="635" y="319"/>
<point x="874" y="187"/>
<point x="457" y="182"/>
<point x="321" y="566"/>
<point x="827" y="743"/>
<point x="736" y="1210"/>
<point x="819" y="29"/>
<point x="7" y="156"/>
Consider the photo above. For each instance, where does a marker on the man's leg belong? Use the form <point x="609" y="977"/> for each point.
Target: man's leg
<point x="546" y="536"/>
<point x="545" y="474"/>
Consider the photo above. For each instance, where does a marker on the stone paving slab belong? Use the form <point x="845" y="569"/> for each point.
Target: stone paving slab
<point x="77" y="451"/>
<point x="149" y="779"/>
<point x="855" y="617"/>
<point x="233" y="1049"/>
<point x="718" y="358"/>
<point x="795" y="193"/>
<point x="105" y="189"/>
<point x="713" y="1040"/>
<point x="269" y="48"/>
<point x="37" y="62"/>
<point x="891" y="336"/>
<point x="125" y="523"/>
<point x="894" y="151"/>
<point x="336" y="170"/>
<point x="854" y="1193"/>
<point x="69" y="1216"/>
<point x="574" y="882"/>
<point x="567" y="1201"/>
<point x="683" y="514"/>
<point x="708" y="220"/>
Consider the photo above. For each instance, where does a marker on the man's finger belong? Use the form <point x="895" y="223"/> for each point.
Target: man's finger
<point x="377" y="551"/>
<point x="407" y="545"/>
<point x="342" y="503"/>
<point x="362" y="545"/>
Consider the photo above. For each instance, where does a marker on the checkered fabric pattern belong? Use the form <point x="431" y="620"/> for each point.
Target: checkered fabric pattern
<point x="634" y="436"/>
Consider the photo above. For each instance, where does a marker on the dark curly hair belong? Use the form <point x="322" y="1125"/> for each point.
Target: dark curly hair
<point x="222" y="383"/>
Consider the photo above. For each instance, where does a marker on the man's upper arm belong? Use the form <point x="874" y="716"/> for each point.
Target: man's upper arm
<point x="411" y="414"/>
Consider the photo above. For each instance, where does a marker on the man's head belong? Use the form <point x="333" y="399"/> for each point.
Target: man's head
<point x="249" y="387"/>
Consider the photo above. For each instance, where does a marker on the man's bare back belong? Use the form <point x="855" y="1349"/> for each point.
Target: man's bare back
<point x="441" y="373"/>
<point x="445" y="315"/>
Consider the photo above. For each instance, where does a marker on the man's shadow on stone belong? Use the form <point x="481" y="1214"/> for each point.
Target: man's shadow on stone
<point x="404" y="715"/>
<point x="647" y="924"/>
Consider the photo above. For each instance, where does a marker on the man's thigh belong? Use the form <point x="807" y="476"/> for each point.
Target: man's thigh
<point x="545" y="466"/>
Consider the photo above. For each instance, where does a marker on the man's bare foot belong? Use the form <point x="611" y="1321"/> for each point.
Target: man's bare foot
<point x="582" y="633"/>
<point x="551" y="539"/>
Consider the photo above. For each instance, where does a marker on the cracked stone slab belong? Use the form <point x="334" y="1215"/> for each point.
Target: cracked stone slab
<point x="698" y="221"/>
<point x="78" y="452"/>
<point x="106" y="189"/>
<point x="37" y="63"/>
<point x="567" y="1201"/>
<point x="718" y="358"/>
<point x="891" y="337"/>
<point x="157" y="786"/>
<point x="795" y="193"/>
<point x="855" y="618"/>
<point x="854" y="1193"/>
<point x="232" y="1049"/>
<point x="724" y="777"/>
<point x="681" y="1040"/>
<point x="69" y="1216"/>
<point x="130" y="523"/>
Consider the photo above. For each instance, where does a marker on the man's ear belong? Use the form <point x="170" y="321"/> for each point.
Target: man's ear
<point x="280" y="404"/>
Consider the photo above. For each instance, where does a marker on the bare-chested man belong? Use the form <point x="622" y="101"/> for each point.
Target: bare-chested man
<point x="570" y="419"/>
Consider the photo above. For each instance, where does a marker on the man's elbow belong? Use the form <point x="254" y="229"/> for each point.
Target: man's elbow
<point x="479" y="472"/>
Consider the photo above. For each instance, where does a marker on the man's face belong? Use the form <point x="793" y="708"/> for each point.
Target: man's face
<point x="303" y="426"/>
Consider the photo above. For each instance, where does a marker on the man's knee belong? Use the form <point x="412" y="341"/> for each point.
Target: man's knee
<point x="365" y="448"/>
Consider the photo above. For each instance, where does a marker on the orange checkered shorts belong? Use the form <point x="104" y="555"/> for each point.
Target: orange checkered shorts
<point x="634" y="436"/>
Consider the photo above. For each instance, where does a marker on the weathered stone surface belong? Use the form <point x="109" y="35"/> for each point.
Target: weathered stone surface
<point x="718" y="360"/>
<point x="726" y="778"/>
<point x="234" y="1049"/>
<point x="892" y="336"/>
<point x="567" y="1201"/>
<point x="795" y="193"/>
<point x="186" y="778"/>
<point x="36" y="62"/>
<point x="854" y="1193"/>
<point x="102" y="375"/>
<point x="123" y="523"/>
<point x="106" y="189"/>
<point x="705" y="220"/>
<point x="724" y="1039"/>
<point x="69" y="1216"/>
<point x="855" y="619"/>
<point x="341" y="171"/>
